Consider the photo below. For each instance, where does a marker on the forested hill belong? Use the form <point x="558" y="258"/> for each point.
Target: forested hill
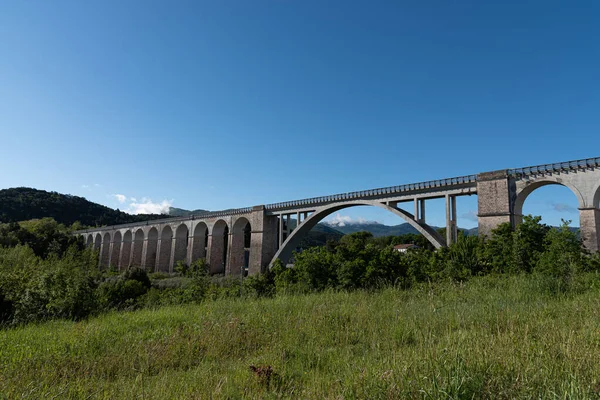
<point x="20" y="204"/>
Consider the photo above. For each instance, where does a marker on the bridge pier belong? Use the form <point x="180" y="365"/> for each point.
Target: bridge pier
<point x="263" y="241"/>
<point x="589" y="226"/>
<point x="495" y="198"/>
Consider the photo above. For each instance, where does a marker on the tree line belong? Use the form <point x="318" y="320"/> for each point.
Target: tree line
<point x="47" y="273"/>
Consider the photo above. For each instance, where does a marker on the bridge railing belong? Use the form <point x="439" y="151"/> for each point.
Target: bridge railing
<point x="556" y="167"/>
<point x="362" y="194"/>
<point x="210" y="214"/>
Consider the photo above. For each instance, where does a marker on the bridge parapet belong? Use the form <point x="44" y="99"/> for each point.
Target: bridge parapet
<point x="568" y="166"/>
<point x="372" y="194"/>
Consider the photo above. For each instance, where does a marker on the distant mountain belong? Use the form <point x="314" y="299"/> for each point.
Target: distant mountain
<point x="180" y="212"/>
<point x="21" y="204"/>
<point x="379" y="230"/>
<point x="375" y="228"/>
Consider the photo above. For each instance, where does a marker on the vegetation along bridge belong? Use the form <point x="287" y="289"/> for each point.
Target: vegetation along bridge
<point x="254" y="237"/>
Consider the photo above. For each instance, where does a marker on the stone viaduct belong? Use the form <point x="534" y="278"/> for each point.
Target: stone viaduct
<point x="236" y="240"/>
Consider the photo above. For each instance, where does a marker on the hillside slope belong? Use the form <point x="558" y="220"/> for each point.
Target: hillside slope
<point x="21" y="204"/>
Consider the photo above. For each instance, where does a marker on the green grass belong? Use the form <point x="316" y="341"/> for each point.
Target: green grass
<point x="494" y="337"/>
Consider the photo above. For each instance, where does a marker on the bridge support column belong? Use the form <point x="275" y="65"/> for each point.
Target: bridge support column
<point x="451" y="226"/>
<point x="263" y="240"/>
<point x="589" y="226"/>
<point x="495" y="200"/>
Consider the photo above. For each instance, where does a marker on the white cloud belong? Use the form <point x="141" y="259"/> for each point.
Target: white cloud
<point x="343" y="220"/>
<point x="147" y="206"/>
<point x="85" y="186"/>
<point x="121" y="198"/>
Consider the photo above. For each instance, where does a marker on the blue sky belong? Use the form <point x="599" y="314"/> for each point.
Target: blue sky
<point x="219" y="104"/>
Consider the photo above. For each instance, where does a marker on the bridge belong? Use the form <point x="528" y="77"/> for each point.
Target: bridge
<point x="253" y="237"/>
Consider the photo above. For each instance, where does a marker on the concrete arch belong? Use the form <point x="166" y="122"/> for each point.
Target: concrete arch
<point x="181" y="243"/>
<point x="285" y="251"/>
<point x="125" y="259"/>
<point x="530" y="187"/>
<point x="151" y="249"/>
<point x="240" y="246"/>
<point x="164" y="256"/>
<point x="98" y="241"/>
<point x="138" y="248"/>
<point x="596" y="201"/>
<point x="105" y="252"/>
<point x="199" y="242"/>
<point x="218" y="247"/>
<point x="116" y="250"/>
<point x="90" y="240"/>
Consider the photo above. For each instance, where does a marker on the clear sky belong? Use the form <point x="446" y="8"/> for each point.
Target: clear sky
<point x="219" y="104"/>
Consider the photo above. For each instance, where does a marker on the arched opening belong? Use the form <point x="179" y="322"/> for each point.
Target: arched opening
<point x="151" y="248"/>
<point x="200" y="241"/>
<point x="98" y="242"/>
<point x="181" y="243"/>
<point x="291" y="243"/>
<point x="164" y="258"/>
<point x="105" y="256"/>
<point x="90" y="240"/>
<point x="550" y="200"/>
<point x="126" y="251"/>
<point x="218" y="248"/>
<point x="240" y="247"/>
<point x="116" y="250"/>
<point x="596" y="201"/>
<point x="138" y="248"/>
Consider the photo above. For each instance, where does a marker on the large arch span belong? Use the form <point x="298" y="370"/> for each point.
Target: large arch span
<point x="289" y="245"/>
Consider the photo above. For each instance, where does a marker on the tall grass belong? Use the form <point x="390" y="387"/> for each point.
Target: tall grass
<point x="493" y="337"/>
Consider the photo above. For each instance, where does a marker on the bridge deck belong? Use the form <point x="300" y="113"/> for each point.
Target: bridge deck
<point x="387" y="193"/>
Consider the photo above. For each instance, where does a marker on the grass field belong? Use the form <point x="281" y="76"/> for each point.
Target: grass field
<point x="493" y="337"/>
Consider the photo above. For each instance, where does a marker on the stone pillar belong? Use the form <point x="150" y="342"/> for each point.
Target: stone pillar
<point x="173" y="253"/>
<point x="589" y="225"/>
<point x="144" y="251"/>
<point x="495" y="200"/>
<point x="190" y="249"/>
<point x="209" y="250"/>
<point x="263" y="242"/>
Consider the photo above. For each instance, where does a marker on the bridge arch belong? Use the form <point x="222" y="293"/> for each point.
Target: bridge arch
<point x="218" y="247"/>
<point x="151" y="248"/>
<point x="199" y="242"/>
<point x="116" y="250"/>
<point x="125" y="260"/>
<point x="164" y="257"/>
<point x="90" y="240"/>
<point x="181" y="243"/>
<point x="105" y="256"/>
<point x="138" y="248"/>
<point x="98" y="241"/>
<point x="530" y="187"/>
<point x="285" y="251"/>
<point x="596" y="201"/>
<point x="240" y="246"/>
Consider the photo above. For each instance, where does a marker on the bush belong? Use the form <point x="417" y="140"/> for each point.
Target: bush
<point x="119" y="293"/>
<point x="562" y="258"/>
<point x="137" y="274"/>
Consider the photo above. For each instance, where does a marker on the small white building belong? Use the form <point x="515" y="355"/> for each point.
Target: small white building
<point x="402" y="248"/>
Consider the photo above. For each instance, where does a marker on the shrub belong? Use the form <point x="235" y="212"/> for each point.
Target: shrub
<point x="119" y="293"/>
<point x="562" y="258"/>
<point x="137" y="274"/>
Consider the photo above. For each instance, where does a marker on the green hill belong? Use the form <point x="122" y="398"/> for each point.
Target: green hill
<point x="180" y="212"/>
<point x="21" y="204"/>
